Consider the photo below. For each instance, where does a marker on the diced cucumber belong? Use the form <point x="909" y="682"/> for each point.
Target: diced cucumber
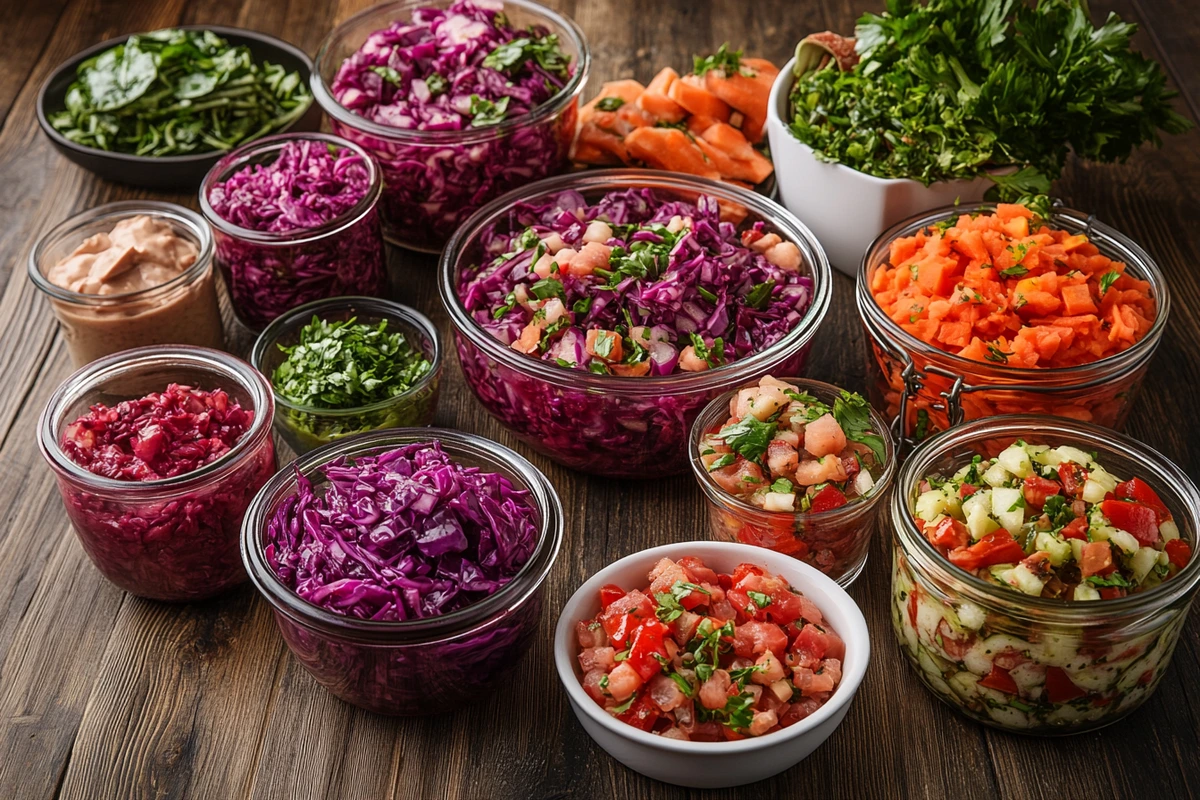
<point x="979" y="524"/>
<point x="996" y="475"/>
<point x="1016" y="460"/>
<point x="971" y="616"/>
<point x="1094" y="491"/>
<point x="1008" y="507"/>
<point x="1068" y="453"/>
<point x="1168" y="530"/>
<point x="1057" y="549"/>
<point x="931" y="504"/>
<point x="1024" y="580"/>
<point x="1120" y="538"/>
<point x="1085" y="591"/>
<point x="863" y="483"/>
<point x="1101" y="476"/>
<point x="953" y="500"/>
<point x="1142" y="562"/>
<point x="963" y="684"/>
<point x="1077" y="548"/>
<point x="1036" y="451"/>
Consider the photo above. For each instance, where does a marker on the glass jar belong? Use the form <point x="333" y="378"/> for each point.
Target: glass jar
<point x="434" y="180"/>
<point x="954" y="627"/>
<point x="836" y="541"/>
<point x="173" y="539"/>
<point x="925" y="389"/>
<point x="608" y="424"/>
<point x="270" y="272"/>
<point x="306" y="427"/>
<point x="418" y="666"/>
<point x="183" y="310"/>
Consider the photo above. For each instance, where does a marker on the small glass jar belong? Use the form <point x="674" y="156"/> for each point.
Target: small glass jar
<point x="270" y="272"/>
<point x="305" y="427"/>
<point x="183" y="310"/>
<point x="434" y="180"/>
<point x="954" y="627"/>
<point x="174" y="539"/>
<point x="926" y="389"/>
<point x="836" y="541"/>
<point x="419" y="666"/>
<point x="609" y="424"/>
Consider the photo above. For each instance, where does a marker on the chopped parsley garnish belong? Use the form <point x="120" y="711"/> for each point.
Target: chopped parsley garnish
<point x="1107" y="280"/>
<point x="547" y="288"/>
<point x="724" y="60"/>
<point x="609" y="103"/>
<point x="545" y="50"/>
<point x="388" y="74"/>
<point x="782" y="486"/>
<point x="997" y="355"/>
<point x="742" y="674"/>
<point x="669" y="608"/>
<point x="759" y="294"/>
<point x="854" y="416"/>
<point x="1014" y="272"/>
<point x="485" y="112"/>
<point x="760" y="599"/>
<point x="1114" y="579"/>
<point x="748" y="437"/>
<point x="724" y="461"/>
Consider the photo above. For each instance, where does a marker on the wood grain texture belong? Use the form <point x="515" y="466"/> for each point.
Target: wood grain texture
<point x="107" y="696"/>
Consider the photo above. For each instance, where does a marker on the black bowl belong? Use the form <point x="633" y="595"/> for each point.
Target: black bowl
<point x="165" y="172"/>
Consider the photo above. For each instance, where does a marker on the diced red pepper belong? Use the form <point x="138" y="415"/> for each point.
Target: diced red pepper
<point x="1137" y="519"/>
<point x="995" y="548"/>
<point x="967" y="490"/>
<point x="1139" y="491"/>
<point x="642" y="713"/>
<point x="949" y="534"/>
<point x="1036" y="490"/>
<point x="1060" y="688"/>
<point x="647" y="643"/>
<point x="624" y="614"/>
<point x="1000" y="680"/>
<point x="1072" y="476"/>
<point x="1076" y="529"/>
<point x="1179" y="552"/>
<point x="827" y="499"/>
<point x="912" y="608"/>
<point x="697" y="569"/>
<point x="1111" y="592"/>
<point x="741" y="571"/>
<point x="1095" y="559"/>
<point x="609" y="594"/>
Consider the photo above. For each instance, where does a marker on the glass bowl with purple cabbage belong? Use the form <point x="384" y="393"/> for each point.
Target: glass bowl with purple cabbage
<point x="458" y="100"/>
<point x="295" y="219"/>
<point x="597" y="314"/>
<point x="405" y="567"/>
<point x="157" y="453"/>
<point x="346" y="365"/>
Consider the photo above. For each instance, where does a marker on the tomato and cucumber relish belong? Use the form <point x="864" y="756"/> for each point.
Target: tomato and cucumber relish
<point x="704" y="656"/>
<point x="1051" y="522"/>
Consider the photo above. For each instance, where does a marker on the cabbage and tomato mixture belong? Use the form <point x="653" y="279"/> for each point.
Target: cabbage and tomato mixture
<point x="1047" y="522"/>
<point x="401" y="535"/>
<point x="167" y="546"/>
<point x="450" y="69"/>
<point x="1052" y="523"/>
<point x="636" y="285"/>
<point x="702" y="656"/>
<point x="782" y="449"/>
<point x="309" y="185"/>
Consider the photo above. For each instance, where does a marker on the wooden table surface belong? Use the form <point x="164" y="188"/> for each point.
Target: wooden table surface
<point x="103" y="695"/>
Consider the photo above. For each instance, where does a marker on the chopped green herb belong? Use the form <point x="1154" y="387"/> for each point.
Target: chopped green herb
<point x="1014" y="272"/>
<point x="761" y="600"/>
<point x="1107" y="280"/>
<point x="485" y="112"/>
<point x="759" y="294"/>
<point x="545" y="50"/>
<point x="782" y="486"/>
<point x="748" y="437"/>
<point x="724" y="461"/>
<point x="853" y="414"/>
<point x="609" y="103"/>
<point x="724" y="60"/>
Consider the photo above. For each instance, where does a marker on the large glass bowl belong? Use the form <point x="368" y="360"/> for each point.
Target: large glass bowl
<point x="954" y="627"/>
<point x="927" y="389"/>
<point x="434" y="180"/>
<point x="418" y="666"/>
<point x="606" y="424"/>
<point x="307" y="427"/>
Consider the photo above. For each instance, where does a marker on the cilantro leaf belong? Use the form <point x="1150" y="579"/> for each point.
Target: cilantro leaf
<point x="609" y="103"/>
<point x="760" y="599"/>
<point x="545" y="50"/>
<point x="724" y="60"/>
<point x="485" y="112"/>
<point x="1113" y="579"/>
<point x="853" y="414"/>
<point x="759" y="294"/>
<point x="748" y="437"/>
<point x="1107" y="280"/>
<point x="782" y="486"/>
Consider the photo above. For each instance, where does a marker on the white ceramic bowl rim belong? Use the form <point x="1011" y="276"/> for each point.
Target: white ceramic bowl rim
<point x="853" y="668"/>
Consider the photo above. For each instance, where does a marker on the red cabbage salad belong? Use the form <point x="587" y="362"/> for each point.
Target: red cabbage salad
<point x="402" y="535"/>
<point x="635" y="285"/>
<point x="162" y="435"/>
<point x="452" y="69"/>
<point x="309" y="184"/>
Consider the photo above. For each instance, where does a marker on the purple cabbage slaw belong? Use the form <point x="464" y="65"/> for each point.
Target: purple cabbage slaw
<point x="306" y="186"/>
<point x="402" y="535"/>
<point x="713" y="287"/>
<point x="443" y="71"/>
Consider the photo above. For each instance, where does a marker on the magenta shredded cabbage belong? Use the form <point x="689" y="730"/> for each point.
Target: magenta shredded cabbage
<point x="306" y="187"/>
<point x="401" y="535"/>
<point x="449" y="69"/>
<point x="429" y="74"/>
<point x="664" y="279"/>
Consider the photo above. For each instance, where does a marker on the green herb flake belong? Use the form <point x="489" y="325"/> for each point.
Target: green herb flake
<point x="853" y="414"/>
<point x="748" y="437"/>
<point x="1107" y="280"/>
<point x="609" y="103"/>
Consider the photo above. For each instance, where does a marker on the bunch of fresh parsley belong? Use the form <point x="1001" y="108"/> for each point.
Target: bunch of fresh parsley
<point x="956" y="89"/>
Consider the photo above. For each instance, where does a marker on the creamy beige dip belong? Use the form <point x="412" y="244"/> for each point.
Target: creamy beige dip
<point x="117" y="275"/>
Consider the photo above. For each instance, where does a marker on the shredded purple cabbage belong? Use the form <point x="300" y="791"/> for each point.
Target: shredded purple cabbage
<point x="671" y="281"/>
<point x="306" y="186"/>
<point x="402" y="535"/>
<point x="429" y="73"/>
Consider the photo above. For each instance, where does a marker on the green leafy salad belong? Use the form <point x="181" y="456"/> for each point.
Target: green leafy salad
<point x="954" y="89"/>
<point x="175" y="92"/>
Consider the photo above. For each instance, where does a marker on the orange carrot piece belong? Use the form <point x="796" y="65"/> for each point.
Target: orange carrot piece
<point x="690" y="93"/>
<point x="669" y="149"/>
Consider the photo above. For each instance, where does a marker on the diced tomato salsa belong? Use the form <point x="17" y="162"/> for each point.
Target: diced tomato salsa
<point x="704" y="656"/>
<point x="1052" y="522"/>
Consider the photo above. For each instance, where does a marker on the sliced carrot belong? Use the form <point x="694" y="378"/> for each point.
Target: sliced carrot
<point x="750" y="95"/>
<point x="690" y="93"/>
<point x="1077" y="299"/>
<point x="669" y="149"/>
<point x="731" y="140"/>
<point x="656" y="100"/>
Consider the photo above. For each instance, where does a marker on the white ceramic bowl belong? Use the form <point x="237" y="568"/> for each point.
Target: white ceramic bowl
<point x="846" y="208"/>
<point x="713" y="764"/>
